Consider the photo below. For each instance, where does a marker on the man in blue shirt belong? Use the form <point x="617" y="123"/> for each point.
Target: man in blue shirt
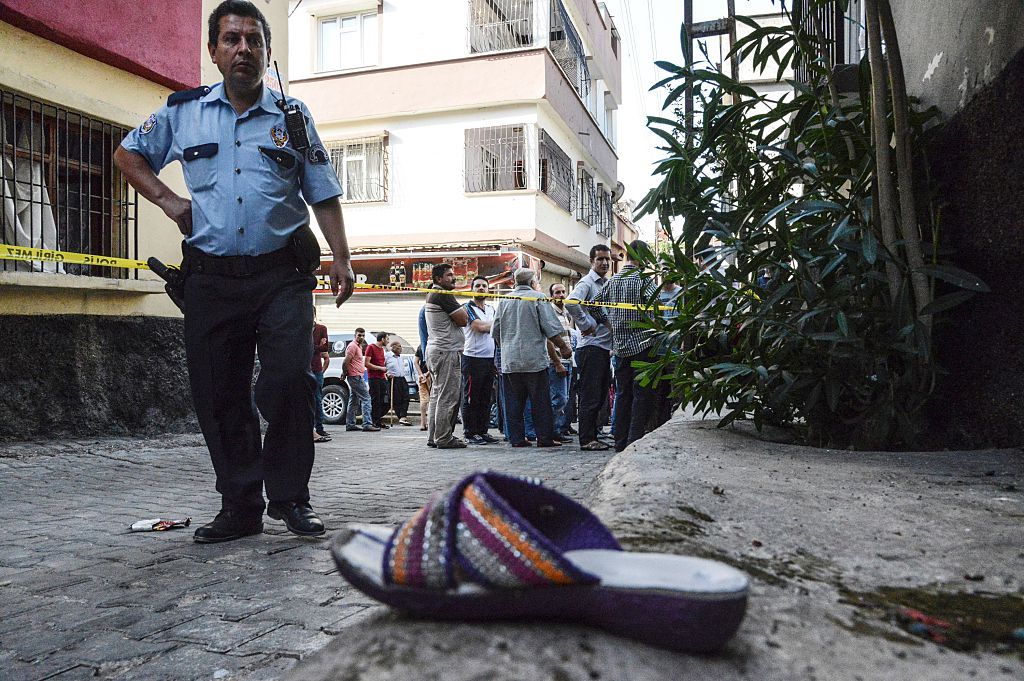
<point x="594" y="347"/>
<point x="249" y="184"/>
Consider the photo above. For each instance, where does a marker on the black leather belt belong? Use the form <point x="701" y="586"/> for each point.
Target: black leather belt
<point x="199" y="262"/>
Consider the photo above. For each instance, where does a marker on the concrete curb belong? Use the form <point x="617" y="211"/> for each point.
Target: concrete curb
<point x="821" y="532"/>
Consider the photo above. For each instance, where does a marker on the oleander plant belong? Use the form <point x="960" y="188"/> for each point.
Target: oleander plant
<point x="805" y="236"/>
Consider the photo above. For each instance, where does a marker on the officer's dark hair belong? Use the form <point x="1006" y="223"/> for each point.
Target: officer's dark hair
<point x="382" y="336"/>
<point x="241" y="8"/>
<point x="481" y="278"/>
<point x="551" y="289"/>
<point x="360" y="329"/>
<point x="437" y="271"/>
<point x="597" y="248"/>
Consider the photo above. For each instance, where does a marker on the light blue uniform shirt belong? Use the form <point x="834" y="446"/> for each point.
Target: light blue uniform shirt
<point x="249" y="186"/>
<point x="587" y="317"/>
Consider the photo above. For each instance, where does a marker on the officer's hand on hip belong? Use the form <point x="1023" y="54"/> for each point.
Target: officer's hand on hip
<point x="179" y="210"/>
<point x="342" y="280"/>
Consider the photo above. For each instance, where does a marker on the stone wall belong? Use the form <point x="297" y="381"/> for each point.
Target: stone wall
<point x="76" y="375"/>
<point x="967" y="58"/>
<point x="978" y="165"/>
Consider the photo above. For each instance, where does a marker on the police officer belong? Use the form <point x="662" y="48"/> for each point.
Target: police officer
<point x="247" y="183"/>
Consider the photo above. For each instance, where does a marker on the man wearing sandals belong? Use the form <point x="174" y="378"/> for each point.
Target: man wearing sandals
<point x="593" y="348"/>
<point x="445" y="320"/>
<point x="522" y="329"/>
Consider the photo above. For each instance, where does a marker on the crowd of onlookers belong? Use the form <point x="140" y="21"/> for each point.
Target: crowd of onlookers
<point x="528" y="368"/>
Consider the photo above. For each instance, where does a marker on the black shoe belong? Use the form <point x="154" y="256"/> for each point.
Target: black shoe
<point x="431" y="443"/>
<point x="570" y="431"/>
<point x="298" y="516"/>
<point x="321" y="431"/>
<point x="382" y="426"/>
<point x="371" y="429"/>
<point x="477" y="440"/>
<point x="227" y="526"/>
<point x="351" y="428"/>
<point x="489" y="439"/>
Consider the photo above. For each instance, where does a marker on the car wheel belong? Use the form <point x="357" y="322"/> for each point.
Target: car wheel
<point x="335" y="403"/>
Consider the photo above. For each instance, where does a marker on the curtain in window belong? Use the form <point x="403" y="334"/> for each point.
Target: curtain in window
<point x="27" y="211"/>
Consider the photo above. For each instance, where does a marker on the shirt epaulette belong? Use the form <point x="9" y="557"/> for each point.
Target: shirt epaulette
<point x="188" y="95"/>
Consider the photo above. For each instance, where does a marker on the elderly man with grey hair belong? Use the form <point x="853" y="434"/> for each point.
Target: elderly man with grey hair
<point x="522" y="328"/>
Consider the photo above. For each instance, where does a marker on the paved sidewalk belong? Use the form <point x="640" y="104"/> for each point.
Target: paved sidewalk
<point x="81" y="597"/>
<point x="864" y="566"/>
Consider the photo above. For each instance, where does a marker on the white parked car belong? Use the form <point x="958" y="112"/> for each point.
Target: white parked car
<point x="335" y="392"/>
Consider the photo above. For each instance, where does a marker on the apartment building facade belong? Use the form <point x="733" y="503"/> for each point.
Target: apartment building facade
<point x="83" y="341"/>
<point x="475" y="132"/>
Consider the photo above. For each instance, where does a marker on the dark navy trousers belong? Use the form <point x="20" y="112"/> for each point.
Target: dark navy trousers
<point x="227" y="321"/>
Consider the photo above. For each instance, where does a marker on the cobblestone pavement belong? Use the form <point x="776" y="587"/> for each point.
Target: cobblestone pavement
<point x="80" y="596"/>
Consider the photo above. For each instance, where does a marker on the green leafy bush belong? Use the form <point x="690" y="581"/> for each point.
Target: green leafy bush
<point x="825" y="343"/>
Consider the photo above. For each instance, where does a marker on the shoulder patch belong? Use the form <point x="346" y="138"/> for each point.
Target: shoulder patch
<point x="148" y="125"/>
<point x="187" y="95"/>
<point x="317" y="155"/>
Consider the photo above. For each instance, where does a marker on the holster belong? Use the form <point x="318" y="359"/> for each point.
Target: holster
<point x="306" y="250"/>
<point x="175" y="278"/>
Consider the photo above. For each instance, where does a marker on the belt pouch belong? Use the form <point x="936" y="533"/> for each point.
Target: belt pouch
<point x="306" y="249"/>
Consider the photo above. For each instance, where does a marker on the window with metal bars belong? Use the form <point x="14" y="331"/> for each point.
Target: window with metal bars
<point x="586" y="205"/>
<point x="555" y="173"/>
<point x="496" y="158"/>
<point x="841" y="25"/>
<point x="605" y="223"/>
<point x="362" y="167"/>
<point x="60" y="189"/>
<point x="497" y="25"/>
<point x="567" y="49"/>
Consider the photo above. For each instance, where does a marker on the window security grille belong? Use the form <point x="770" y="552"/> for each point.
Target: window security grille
<point x="843" y="29"/>
<point x="496" y="25"/>
<point x="586" y="206"/>
<point x="496" y="158"/>
<point x="556" y="175"/>
<point x="362" y="167"/>
<point x="567" y="49"/>
<point x="605" y="223"/>
<point x="60" y="189"/>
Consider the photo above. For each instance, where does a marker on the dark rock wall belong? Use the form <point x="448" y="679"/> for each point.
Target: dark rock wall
<point x="71" y="376"/>
<point x="978" y="163"/>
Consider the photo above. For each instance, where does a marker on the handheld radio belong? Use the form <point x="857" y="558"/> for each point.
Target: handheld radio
<point x="294" y="120"/>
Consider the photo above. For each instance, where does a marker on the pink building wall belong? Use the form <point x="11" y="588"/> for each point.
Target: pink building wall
<point x="158" y="41"/>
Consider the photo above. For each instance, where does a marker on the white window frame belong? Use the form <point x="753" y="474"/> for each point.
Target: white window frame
<point x="369" y="187"/>
<point x="368" y="53"/>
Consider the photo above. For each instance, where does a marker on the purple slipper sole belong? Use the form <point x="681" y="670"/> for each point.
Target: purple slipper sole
<point x="693" y="621"/>
<point x="501" y="547"/>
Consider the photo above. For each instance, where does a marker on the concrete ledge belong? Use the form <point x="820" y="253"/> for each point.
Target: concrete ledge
<point x="819" y="532"/>
<point x="69" y="281"/>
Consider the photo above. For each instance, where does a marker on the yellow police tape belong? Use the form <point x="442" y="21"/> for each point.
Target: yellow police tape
<point x="8" y="252"/>
<point x="24" y="253"/>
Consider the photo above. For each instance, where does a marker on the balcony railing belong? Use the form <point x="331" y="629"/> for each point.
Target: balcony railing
<point x="567" y="49"/>
<point x="497" y="25"/>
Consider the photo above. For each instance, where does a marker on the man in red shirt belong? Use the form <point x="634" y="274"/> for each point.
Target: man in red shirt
<point x="359" y="397"/>
<point x="318" y="366"/>
<point x="376" y="370"/>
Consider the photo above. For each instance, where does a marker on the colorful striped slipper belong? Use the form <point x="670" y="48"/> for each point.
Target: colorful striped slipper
<point x="501" y="547"/>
